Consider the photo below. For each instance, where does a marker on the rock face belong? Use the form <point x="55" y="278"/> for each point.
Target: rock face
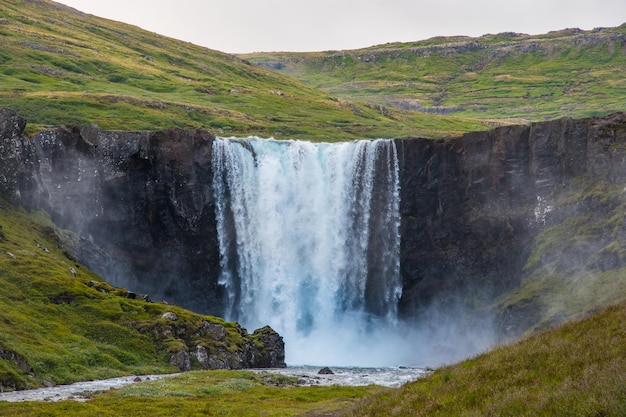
<point x="142" y="205"/>
<point x="208" y="346"/>
<point x="471" y="205"/>
<point x="465" y="214"/>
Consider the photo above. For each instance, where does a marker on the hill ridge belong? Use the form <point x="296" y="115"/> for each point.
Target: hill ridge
<point x="565" y="73"/>
<point x="61" y="66"/>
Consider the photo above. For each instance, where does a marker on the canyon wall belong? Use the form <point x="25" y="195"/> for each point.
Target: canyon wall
<point x="472" y="206"/>
<point x="141" y="204"/>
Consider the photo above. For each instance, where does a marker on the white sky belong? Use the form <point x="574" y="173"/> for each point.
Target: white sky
<point x="238" y="26"/>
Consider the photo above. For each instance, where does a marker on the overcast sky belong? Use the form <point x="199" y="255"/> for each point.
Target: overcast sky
<point x="236" y="26"/>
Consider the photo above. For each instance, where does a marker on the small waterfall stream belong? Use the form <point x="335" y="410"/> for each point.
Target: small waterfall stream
<point x="309" y="243"/>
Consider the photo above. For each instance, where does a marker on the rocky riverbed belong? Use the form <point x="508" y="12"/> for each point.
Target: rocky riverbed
<point x="79" y="391"/>
<point x="352" y="376"/>
<point x="307" y="376"/>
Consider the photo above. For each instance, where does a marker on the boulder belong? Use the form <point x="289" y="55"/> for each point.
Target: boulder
<point x="170" y="316"/>
<point x="180" y="360"/>
<point x="325" y="371"/>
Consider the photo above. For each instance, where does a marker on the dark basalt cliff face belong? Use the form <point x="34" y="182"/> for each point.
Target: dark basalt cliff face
<point x="137" y="208"/>
<point x="471" y="206"/>
<point x="141" y="203"/>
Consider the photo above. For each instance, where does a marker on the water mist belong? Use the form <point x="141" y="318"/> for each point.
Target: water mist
<point x="309" y="243"/>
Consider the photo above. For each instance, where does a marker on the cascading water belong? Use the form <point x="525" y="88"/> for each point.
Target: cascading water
<point x="309" y="243"/>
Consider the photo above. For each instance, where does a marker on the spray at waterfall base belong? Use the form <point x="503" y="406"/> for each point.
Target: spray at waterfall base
<point x="310" y="244"/>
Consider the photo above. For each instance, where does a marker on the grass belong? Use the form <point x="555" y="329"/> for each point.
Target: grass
<point x="578" y="369"/>
<point x="60" y="66"/>
<point x="575" y="369"/>
<point x="60" y="323"/>
<point x="207" y="393"/>
<point x="560" y="74"/>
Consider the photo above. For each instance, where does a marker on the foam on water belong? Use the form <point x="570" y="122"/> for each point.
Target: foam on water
<point x="309" y="243"/>
<point x="355" y="376"/>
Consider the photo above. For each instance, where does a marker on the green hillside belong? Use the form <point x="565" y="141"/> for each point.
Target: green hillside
<point x="575" y="370"/>
<point x="61" y="66"/>
<point x="60" y="323"/>
<point x="566" y="73"/>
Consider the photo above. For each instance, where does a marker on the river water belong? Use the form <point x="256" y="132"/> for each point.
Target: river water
<point x="307" y="376"/>
<point x="353" y="376"/>
<point x="77" y="391"/>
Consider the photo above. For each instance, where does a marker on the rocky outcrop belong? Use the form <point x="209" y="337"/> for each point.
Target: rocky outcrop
<point x="17" y="157"/>
<point x="206" y="346"/>
<point x="141" y="204"/>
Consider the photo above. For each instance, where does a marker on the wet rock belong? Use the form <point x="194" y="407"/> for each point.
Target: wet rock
<point x="269" y="351"/>
<point x="326" y="371"/>
<point x="471" y="206"/>
<point x="140" y="202"/>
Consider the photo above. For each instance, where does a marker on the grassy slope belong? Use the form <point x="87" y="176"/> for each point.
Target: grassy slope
<point x="576" y="370"/>
<point x="566" y="73"/>
<point x="208" y="393"/>
<point x="60" y="66"/>
<point x="60" y="329"/>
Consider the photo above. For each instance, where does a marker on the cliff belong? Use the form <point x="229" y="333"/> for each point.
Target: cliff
<point x="74" y="175"/>
<point x="140" y="205"/>
<point x="142" y="208"/>
<point x="473" y="208"/>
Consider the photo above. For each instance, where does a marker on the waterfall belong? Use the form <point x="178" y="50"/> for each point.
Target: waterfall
<point x="309" y="243"/>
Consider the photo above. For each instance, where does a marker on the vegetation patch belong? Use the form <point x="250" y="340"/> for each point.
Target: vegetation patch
<point x="560" y="74"/>
<point x="207" y="393"/>
<point x="61" y="323"/>
<point x="59" y="66"/>
<point x="577" y="369"/>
